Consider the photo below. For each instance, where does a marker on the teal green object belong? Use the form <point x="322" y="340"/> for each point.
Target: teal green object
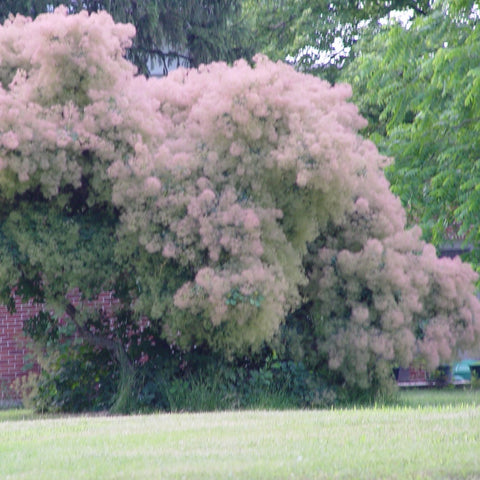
<point x="462" y="369"/>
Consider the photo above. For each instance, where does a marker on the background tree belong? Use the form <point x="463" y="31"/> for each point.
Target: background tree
<point x="419" y="88"/>
<point x="30" y="8"/>
<point x="169" y="32"/>
<point x="213" y="203"/>
<point x="305" y="31"/>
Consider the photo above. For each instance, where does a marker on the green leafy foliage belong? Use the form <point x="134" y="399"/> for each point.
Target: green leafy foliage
<point x="419" y="87"/>
<point x="305" y="31"/>
<point x="80" y="380"/>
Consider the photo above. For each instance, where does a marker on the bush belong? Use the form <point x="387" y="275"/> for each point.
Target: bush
<point x="214" y="203"/>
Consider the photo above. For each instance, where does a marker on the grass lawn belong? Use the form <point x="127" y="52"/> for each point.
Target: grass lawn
<point x="407" y="441"/>
<point x="425" y="397"/>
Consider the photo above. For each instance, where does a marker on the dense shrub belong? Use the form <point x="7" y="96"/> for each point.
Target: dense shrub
<point x="214" y="203"/>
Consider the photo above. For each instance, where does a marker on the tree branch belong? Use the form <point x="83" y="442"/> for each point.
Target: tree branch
<point x="161" y="53"/>
<point x="94" y="340"/>
<point x="414" y="6"/>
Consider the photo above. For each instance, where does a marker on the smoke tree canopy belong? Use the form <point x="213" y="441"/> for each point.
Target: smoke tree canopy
<point x="213" y="202"/>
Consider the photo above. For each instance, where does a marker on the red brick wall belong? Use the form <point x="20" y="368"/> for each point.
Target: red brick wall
<point x="13" y="349"/>
<point x="13" y="344"/>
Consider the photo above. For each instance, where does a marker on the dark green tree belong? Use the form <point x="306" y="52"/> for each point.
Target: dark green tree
<point x="30" y="8"/>
<point x="168" y="32"/>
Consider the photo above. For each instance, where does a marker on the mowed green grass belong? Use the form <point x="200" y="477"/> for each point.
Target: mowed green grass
<point x="436" y="442"/>
<point x="439" y="397"/>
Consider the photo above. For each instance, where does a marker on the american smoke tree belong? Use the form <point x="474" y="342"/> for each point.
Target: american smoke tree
<point x="214" y="202"/>
<point x="420" y="89"/>
<point x="168" y="32"/>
